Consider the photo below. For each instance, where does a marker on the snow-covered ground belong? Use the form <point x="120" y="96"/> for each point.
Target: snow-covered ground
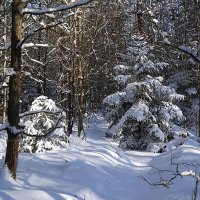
<point x="96" y="169"/>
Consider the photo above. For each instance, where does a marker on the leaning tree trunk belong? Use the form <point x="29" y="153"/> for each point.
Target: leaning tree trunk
<point x="14" y="87"/>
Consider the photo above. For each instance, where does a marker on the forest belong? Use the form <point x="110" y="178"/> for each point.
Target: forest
<point x="99" y="100"/>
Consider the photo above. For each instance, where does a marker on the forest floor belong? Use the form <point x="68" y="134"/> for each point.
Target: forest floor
<point x="96" y="169"/>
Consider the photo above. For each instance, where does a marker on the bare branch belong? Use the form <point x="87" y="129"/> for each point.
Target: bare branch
<point x="37" y="30"/>
<point x="174" y="174"/>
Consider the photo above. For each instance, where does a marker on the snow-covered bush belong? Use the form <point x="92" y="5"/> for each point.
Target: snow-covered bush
<point x="44" y="126"/>
<point x="143" y="115"/>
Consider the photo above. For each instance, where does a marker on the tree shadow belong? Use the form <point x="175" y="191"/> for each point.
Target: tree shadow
<point x="5" y="196"/>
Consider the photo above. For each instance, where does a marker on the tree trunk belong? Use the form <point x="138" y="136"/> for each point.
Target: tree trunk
<point x="39" y="58"/>
<point x="140" y="17"/>
<point x="80" y="76"/>
<point x="12" y="152"/>
<point x="14" y="87"/>
<point x="70" y="79"/>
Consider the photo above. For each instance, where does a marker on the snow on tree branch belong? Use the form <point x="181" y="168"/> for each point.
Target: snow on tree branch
<point x="44" y="125"/>
<point x="186" y="50"/>
<point x="4" y="126"/>
<point x="56" y="126"/>
<point x="41" y="28"/>
<point x="32" y="32"/>
<point x="39" y="111"/>
<point x="6" y="47"/>
<point x="31" y="44"/>
<point x="56" y="9"/>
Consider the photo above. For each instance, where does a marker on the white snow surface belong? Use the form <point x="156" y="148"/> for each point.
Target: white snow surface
<point x="96" y="169"/>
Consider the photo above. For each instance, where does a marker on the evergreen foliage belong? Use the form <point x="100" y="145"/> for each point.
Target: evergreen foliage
<point x="144" y="114"/>
<point x="46" y="128"/>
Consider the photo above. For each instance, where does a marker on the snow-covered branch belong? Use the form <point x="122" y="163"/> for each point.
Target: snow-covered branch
<point x="38" y="62"/>
<point x="4" y="126"/>
<point x="34" y="11"/>
<point x="6" y="47"/>
<point x="31" y="44"/>
<point x="22" y="43"/>
<point x="184" y="49"/>
<point x="39" y="111"/>
<point x="41" y="28"/>
<point x="50" y="131"/>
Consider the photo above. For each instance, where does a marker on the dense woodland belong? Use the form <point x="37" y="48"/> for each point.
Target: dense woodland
<point x="135" y="61"/>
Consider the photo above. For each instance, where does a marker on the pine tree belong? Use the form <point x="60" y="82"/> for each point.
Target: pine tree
<point x="143" y="114"/>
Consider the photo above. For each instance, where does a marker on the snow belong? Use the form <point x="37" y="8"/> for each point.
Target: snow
<point x="122" y="78"/>
<point x="155" y="21"/>
<point x="161" y="65"/>
<point x="166" y="41"/>
<point x="114" y="99"/>
<point x="3" y="138"/>
<point x="97" y="169"/>
<point x="121" y="67"/>
<point x="188" y="49"/>
<point x="44" y="118"/>
<point x="155" y="130"/>
<point x="43" y="103"/>
<point x="191" y="91"/>
<point x="10" y="72"/>
<point x="6" y="47"/>
<point x="31" y="44"/>
<point x="137" y="111"/>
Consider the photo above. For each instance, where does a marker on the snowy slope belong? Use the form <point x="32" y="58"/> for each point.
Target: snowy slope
<point x="93" y="169"/>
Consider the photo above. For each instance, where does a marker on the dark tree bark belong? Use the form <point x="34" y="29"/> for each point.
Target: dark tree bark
<point x="12" y="153"/>
<point x="14" y="87"/>
<point x="80" y="75"/>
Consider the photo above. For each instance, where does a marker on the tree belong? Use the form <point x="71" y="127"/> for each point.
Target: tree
<point x="172" y="28"/>
<point x="44" y="126"/>
<point x="105" y="37"/>
<point x="14" y="88"/>
<point x="143" y="114"/>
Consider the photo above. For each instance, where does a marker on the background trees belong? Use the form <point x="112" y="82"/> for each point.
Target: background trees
<point x="14" y="128"/>
<point x="142" y="111"/>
